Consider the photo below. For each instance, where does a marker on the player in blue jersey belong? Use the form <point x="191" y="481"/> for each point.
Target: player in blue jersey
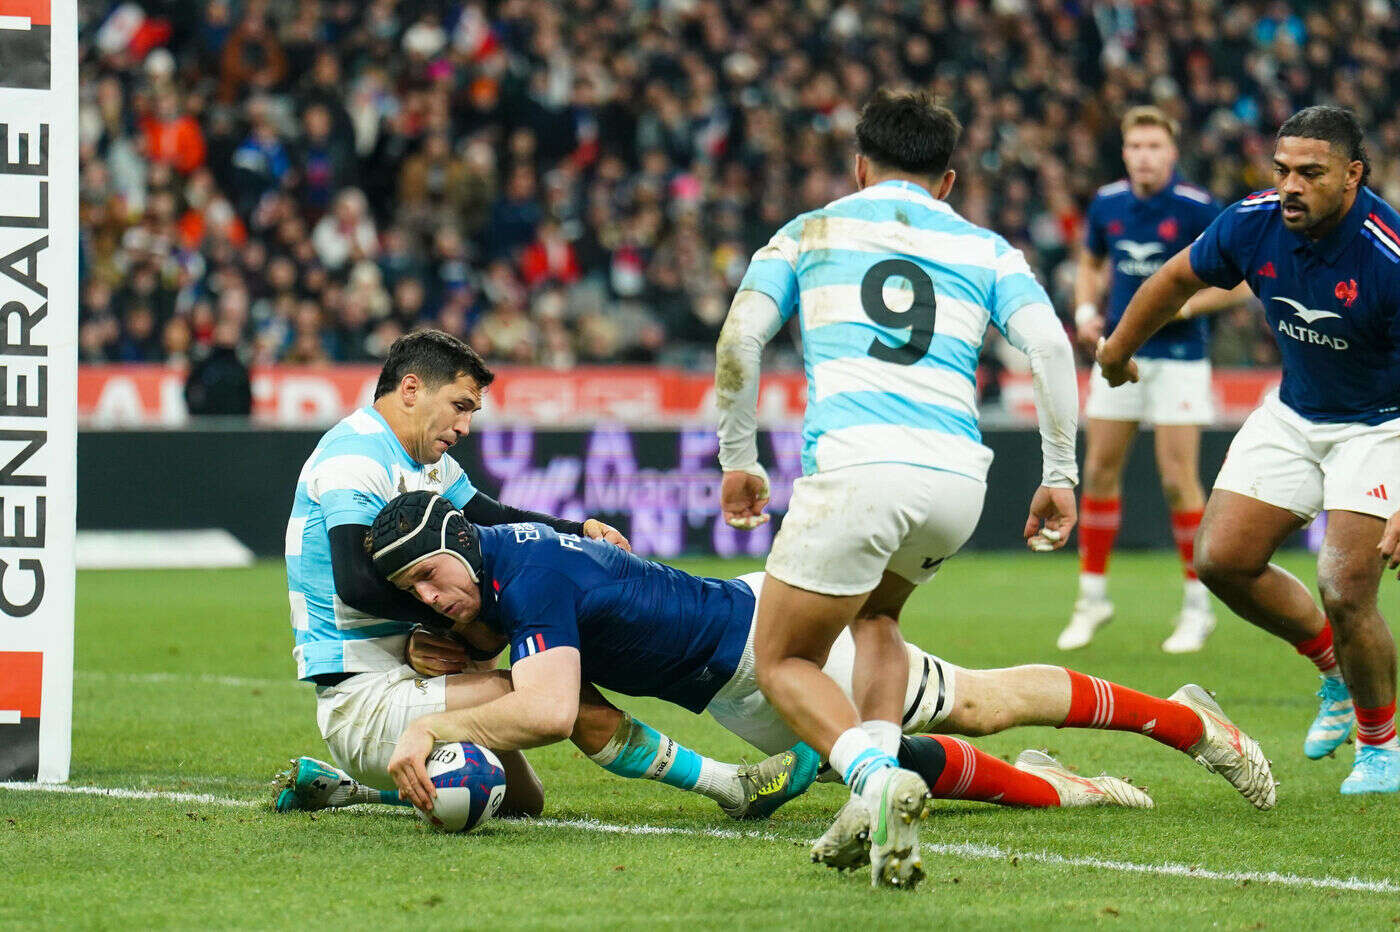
<point x="575" y="612"/>
<point x="352" y="628"/>
<point x="1322" y="252"/>
<point x="894" y="292"/>
<point x="1132" y="227"/>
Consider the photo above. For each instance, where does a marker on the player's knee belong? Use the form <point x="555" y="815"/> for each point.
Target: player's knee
<point x="1220" y="565"/>
<point x="765" y="672"/>
<point x="1174" y="489"/>
<point x="1347" y="592"/>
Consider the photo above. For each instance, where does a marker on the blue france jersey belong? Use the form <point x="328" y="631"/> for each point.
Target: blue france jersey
<point x="1138" y="235"/>
<point x="355" y="469"/>
<point x="894" y="291"/>
<point x="641" y="628"/>
<point x="1333" y="305"/>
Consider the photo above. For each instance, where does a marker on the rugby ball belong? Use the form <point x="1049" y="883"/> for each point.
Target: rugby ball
<point x="470" y="786"/>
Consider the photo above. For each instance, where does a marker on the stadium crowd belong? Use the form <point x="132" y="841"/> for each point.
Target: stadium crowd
<point x="302" y="182"/>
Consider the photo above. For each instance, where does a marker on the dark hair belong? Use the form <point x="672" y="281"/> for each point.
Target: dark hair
<point x="1334" y="125"/>
<point x="908" y="132"/>
<point x="435" y="357"/>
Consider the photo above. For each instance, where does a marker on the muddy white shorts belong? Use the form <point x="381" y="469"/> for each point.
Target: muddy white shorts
<point x="1168" y="391"/>
<point x="845" y="527"/>
<point x="361" y="718"/>
<point x="1282" y="458"/>
<point x="742" y="709"/>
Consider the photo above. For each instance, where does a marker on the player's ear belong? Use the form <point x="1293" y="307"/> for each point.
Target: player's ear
<point x="862" y="171"/>
<point x="1355" y="170"/>
<point x="409" y="386"/>
<point x="946" y="186"/>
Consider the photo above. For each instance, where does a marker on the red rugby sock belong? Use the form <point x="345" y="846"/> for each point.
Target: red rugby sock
<point x="973" y="774"/>
<point x="1376" y="726"/>
<point x="1097" y="703"/>
<point x="1319" y="650"/>
<point x="1098" y="526"/>
<point x="1184" y="525"/>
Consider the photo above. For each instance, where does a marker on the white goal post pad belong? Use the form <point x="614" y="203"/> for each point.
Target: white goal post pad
<point x="38" y="383"/>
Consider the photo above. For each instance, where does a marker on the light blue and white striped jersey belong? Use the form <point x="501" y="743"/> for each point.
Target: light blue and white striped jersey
<point x="355" y="469"/>
<point x="894" y="291"/>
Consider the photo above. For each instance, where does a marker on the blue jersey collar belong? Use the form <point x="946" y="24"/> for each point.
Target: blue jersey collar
<point x="1161" y="195"/>
<point x="1329" y="249"/>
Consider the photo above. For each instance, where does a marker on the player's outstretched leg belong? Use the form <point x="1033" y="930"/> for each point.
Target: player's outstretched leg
<point x="954" y="769"/>
<point x="989" y="701"/>
<point x="310" y="785"/>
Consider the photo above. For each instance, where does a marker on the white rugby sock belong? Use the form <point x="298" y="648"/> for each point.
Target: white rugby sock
<point x="886" y="735"/>
<point x="1093" y="586"/>
<point x="720" y="782"/>
<point x="1195" y="596"/>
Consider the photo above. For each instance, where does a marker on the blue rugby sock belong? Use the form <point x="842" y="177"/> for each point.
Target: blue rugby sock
<point x="638" y="751"/>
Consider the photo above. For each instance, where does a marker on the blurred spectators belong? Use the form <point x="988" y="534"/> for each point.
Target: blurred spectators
<point x="270" y="180"/>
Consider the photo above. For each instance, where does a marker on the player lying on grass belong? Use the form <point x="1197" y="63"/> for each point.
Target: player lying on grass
<point x="574" y="612"/>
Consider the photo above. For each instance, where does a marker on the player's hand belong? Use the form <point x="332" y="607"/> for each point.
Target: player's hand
<point x="597" y="530"/>
<point x="1052" y="517"/>
<point x="743" y="495"/>
<point x="1115" y="371"/>
<point x="407" y="766"/>
<point x="1390" y="544"/>
<point x="434" y="655"/>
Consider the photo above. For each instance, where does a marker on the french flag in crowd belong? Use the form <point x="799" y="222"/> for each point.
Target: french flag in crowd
<point x="25" y="32"/>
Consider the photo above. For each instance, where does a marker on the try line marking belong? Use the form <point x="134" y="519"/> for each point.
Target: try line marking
<point x="966" y="850"/>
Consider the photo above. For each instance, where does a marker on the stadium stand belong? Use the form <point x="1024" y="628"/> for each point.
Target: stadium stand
<point x="584" y="182"/>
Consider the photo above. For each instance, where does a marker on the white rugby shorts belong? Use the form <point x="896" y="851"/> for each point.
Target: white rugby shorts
<point x="362" y="718"/>
<point x="743" y="711"/>
<point x="1282" y="458"/>
<point x="1168" y="391"/>
<point x="846" y="527"/>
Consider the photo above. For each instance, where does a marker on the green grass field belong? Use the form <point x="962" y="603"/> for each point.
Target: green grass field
<point x="185" y="686"/>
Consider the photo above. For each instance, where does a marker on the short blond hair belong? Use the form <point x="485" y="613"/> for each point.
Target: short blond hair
<point x="1150" y="116"/>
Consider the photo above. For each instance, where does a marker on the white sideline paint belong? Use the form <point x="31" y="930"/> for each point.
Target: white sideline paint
<point x="209" y="548"/>
<point x="965" y="850"/>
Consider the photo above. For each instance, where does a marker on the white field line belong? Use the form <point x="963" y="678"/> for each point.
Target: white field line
<point x="965" y="850"/>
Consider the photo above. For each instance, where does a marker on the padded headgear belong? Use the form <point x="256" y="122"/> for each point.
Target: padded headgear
<point x="417" y="525"/>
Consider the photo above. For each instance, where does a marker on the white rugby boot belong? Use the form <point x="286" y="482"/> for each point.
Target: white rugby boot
<point x="1226" y="750"/>
<point x="1076" y="791"/>
<point x="846" y="844"/>
<point x="899" y="802"/>
<point x="1193" y="626"/>
<point x="1089" y="615"/>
